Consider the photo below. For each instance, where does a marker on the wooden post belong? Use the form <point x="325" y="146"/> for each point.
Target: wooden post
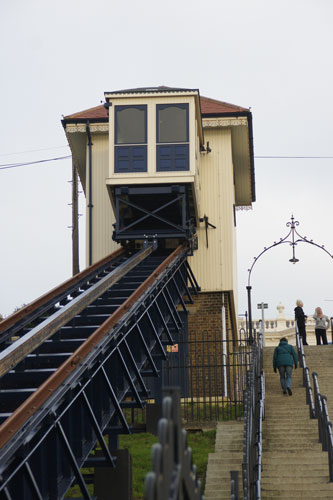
<point x="75" y="221"/>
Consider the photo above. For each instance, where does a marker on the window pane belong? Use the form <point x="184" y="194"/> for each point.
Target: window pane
<point x="130" y="126"/>
<point x="172" y="124"/>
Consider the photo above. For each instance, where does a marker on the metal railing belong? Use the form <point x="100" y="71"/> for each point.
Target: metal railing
<point x="324" y="424"/>
<point x="306" y="375"/>
<point x="174" y="475"/>
<point x="254" y="412"/>
<point x="317" y="406"/>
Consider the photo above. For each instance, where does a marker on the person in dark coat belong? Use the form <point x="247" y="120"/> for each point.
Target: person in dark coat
<point x="284" y="358"/>
<point x="300" y="319"/>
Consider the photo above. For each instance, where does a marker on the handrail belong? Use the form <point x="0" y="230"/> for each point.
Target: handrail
<point x="306" y="376"/>
<point x="317" y="407"/>
<point x="324" y="424"/>
<point x="254" y="412"/>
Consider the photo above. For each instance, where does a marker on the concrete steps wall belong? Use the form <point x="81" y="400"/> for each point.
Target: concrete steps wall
<point x="294" y="466"/>
<point x="228" y="456"/>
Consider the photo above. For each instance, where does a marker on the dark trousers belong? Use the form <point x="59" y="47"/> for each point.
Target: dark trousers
<point x="302" y="332"/>
<point x="321" y="334"/>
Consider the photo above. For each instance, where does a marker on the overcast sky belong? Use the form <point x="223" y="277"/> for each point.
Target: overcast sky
<point x="275" y="57"/>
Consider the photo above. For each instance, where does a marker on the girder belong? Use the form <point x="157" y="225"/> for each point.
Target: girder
<point x="89" y="373"/>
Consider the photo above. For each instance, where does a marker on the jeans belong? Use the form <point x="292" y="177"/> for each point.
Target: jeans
<point x="285" y="376"/>
<point x="321" y="334"/>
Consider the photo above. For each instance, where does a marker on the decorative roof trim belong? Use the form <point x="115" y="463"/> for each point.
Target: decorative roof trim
<point x="223" y="122"/>
<point x="72" y="128"/>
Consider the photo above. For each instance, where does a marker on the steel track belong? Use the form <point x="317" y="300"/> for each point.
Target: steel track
<point x="74" y="359"/>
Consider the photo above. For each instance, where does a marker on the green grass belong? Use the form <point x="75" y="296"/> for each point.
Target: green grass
<point x="140" y="445"/>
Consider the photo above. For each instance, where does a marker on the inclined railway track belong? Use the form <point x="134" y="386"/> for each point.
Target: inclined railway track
<point x="73" y="360"/>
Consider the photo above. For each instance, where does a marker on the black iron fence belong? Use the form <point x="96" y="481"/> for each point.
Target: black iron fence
<point x="174" y="474"/>
<point x="324" y="424"/>
<point x="305" y="373"/>
<point x="254" y="411"/>
<point x="212" y="375"/>
<point x="317" y="405"/>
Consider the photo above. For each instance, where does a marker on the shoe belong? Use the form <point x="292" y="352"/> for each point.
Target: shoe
<point x="284" y="392"/>
<point x="289" y="391"/>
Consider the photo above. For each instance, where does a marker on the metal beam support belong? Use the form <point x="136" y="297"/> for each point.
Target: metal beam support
<point x="95" y="379"/>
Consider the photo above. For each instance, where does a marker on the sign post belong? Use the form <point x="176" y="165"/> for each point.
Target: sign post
<point x="263" y="306"/>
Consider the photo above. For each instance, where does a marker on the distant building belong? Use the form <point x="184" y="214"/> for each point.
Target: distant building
<point x="278" y="327"/>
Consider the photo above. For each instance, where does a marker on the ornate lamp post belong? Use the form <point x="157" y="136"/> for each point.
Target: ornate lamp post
<point x="292" y="238"/>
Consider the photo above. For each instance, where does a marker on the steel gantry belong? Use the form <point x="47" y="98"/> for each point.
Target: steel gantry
<point x="70" y="371"/>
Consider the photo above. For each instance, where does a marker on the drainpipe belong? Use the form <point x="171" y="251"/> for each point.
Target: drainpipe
<point x="90" y="205"/>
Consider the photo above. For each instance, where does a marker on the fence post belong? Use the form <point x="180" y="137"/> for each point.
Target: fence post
<point x="234" y="482"/>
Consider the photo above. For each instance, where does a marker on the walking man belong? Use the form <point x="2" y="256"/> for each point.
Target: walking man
<point x="284" y="358"/>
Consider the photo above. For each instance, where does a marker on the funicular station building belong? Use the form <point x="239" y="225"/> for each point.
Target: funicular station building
<point x="169" y="165"/>
<point x="163" y="171"/>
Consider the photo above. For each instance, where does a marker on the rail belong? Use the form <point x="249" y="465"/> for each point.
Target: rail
<point x="85" y="397"/>
<point x="254" y="413"/>
<point x="174" y="475"/>
<point x="324" y="424"/>
<point x="46" y="304"/>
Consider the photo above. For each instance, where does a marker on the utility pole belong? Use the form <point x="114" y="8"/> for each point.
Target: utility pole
<point x="75" y="221"/>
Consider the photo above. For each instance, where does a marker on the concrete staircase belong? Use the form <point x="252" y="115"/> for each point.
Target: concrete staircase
<point x="320" y="359"/>
<point x="228" y="456"/>
<point x="293" y="464"/>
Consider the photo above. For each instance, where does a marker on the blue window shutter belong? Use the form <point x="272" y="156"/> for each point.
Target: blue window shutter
<point x="172" y="157"/>
<point x="130" y="159"/>
<point x="181" y="157"/>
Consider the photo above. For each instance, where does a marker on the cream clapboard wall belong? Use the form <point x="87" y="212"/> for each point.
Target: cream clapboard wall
<point x="102" y="213"/>
<point x="215" y="266"/>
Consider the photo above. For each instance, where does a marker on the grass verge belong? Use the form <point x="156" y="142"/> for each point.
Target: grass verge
<point x="140" y="445"/>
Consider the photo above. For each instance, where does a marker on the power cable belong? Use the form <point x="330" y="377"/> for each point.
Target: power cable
<point x="15" y="165"/>
<point x="34" y="150"/>
<point x="23" y="164"/>
<point x="297" y="157"/>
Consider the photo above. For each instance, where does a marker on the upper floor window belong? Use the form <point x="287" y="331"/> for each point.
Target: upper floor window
<point x="172" y="123"/>
<point x="172" y="137"/>
<point x="130" y="139"/>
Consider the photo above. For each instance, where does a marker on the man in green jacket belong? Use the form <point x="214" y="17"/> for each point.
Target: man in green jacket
<point x="284" y="358"/>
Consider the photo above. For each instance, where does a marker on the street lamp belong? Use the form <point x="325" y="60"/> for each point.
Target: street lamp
<point x="292" y="238"/>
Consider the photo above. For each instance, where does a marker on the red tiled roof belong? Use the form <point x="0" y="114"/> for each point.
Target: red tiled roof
<point x="89" y="114"/>
<point x="208" y="107"/>
<point x="211" y="106"/>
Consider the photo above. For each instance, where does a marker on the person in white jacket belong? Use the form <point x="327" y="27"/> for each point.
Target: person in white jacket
<point x="322" y="323"/>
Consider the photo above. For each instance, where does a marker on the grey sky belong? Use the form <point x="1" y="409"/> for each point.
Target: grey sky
<point x="59" y="58"/>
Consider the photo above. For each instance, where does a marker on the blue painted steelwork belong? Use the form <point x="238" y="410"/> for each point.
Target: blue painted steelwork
<point x="61" y="297"/>
<point x="157" y="212"/>
<point x="47" y="453"/>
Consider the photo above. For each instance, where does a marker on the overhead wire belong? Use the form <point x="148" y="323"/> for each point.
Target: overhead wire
<point x="23" y="164"/>
<point x="45" y="160"/>
<point x="34" y="150"/>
